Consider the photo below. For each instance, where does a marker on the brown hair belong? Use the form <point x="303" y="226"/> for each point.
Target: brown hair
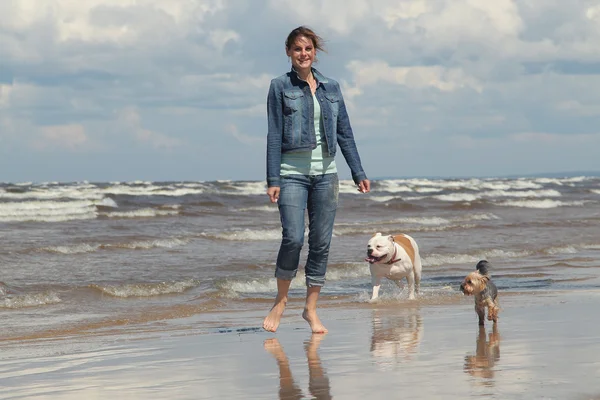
<point x="316" y="40"/>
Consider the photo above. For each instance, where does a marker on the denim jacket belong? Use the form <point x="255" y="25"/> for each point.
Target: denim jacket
<point x="290" y="114"/>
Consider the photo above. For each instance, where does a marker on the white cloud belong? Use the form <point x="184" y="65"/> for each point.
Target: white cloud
<point x="418" y="77"/>
<point x="71" y="137"/>
<point x="186" y="75"/>
<point x="132" y="123"/>
<point x="234" y="131"/>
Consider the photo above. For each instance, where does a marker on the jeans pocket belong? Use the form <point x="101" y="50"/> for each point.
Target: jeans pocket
<point x="292" y="193"/>
<point x="331" y="202"/>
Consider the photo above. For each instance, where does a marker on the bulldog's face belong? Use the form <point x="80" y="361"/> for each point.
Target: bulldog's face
<point x="380" y="249"/>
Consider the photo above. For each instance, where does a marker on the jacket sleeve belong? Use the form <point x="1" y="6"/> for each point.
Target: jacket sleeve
<point x="274" y="134"/>
<point x="345" y="139"/>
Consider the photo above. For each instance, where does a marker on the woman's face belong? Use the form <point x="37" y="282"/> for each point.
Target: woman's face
<point x="302" y="53"/>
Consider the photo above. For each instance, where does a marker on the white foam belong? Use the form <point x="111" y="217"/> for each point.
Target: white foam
<point x="47" y="211"/>
<point x="248" y="188"/>
<point x="478" y="217"/>
<point x="141" y="213"/>
<point x="427" y="190"/>
<point x="76" y="249"/>
<point x="561" y="250"/>
<point x="267" y="208"/>
<point x="149" y="244"/>
<point x="135" y="245"/>
<point x="246" y="235"/>
<point x="354" y="270"/>
<point x="457" y="197"/>
<point x="383" y="199"/>
<point x="53" y="193"/>
<point x="234" y="287"/>
<point x="524" y="193"/>
<point x="394" y="186"/>
<point x="151" y="190"/>
<point x="596" y="191"/>
<point x="265" y="285"/>
<point x="435" y="260"/>
<point x="30" y="300"/>
<point x="147" y="289"/>
<point x="107" y="202"/>
<point x="547" y="203"/>
<point x="422" y="221"/>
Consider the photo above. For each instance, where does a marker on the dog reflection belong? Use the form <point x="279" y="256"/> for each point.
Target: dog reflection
<point x="318" y="382"/>
<point x="395" y="338"/>
<point x="487" y="353"/>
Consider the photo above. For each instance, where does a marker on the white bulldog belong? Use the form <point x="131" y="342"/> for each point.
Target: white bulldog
<point x="394" y="257"/>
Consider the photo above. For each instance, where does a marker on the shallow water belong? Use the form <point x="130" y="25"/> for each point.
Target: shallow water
<point x="85" y="257"/>
<point x="544" y="347"/>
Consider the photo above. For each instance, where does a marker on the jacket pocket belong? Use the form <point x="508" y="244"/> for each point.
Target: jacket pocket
<point x="292" y="110"/>
<point x="292" y="100"/>
<point x="334" y="103"/>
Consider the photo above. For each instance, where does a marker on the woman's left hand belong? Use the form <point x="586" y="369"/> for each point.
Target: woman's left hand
<point x="364" y="186"/>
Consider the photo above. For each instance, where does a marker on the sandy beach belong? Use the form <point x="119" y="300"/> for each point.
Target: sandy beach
<point x="545" y="347"/>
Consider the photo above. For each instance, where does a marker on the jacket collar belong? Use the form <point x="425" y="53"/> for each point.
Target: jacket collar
<point x="318" y="76"/>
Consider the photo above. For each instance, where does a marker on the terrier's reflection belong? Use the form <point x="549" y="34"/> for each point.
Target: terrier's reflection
<point x="318" y="382"/>
<point x="487" y="353"/>
<point x="396" y="338"/>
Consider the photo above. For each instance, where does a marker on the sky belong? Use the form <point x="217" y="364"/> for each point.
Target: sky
<point x="173" y="90"/>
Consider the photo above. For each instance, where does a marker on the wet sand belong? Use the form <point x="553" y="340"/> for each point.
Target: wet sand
<point x="546" y="346"/>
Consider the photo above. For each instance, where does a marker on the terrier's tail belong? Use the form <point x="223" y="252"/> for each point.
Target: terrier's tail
<point x="483" y="267"/>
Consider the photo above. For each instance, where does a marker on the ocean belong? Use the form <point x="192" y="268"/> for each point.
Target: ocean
<point x="91" y="258"/>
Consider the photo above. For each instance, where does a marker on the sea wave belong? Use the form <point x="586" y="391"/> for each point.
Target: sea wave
<point x="47" y="211"/>
<point x="29" y="300"/>
<point x="149" y="244"/>
<point x="141" y="213"/>
<point x="232" y="288"/>
<point x="546" y="203"/>
<point x="266" y="208"/>
<point x="146" y="289"/>
<point x="134" y="245"/>
<point x="245" y="235"/>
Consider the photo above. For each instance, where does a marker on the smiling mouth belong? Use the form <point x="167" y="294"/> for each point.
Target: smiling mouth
<point x="373" y="259"/>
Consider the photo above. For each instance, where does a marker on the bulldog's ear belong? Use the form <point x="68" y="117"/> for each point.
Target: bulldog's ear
<point x="391" y="238"/>
<point x="377" y="234"/>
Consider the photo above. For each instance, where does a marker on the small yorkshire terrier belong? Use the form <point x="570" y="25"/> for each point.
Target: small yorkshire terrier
<point x="480" y="285"/>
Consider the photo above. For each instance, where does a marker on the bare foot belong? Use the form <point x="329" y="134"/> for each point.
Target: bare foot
<point x="313" y="320"/>
<point x="271" y="322"/>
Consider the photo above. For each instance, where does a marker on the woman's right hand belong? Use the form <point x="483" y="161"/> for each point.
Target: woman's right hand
<point x="273" y="193"/>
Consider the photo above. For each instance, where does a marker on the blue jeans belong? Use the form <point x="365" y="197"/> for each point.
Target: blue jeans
<point x="319" y="195"/>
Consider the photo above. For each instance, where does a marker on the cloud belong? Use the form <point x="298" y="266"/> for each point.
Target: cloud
<point x="444" y="79"/>
<point x="234" y="131"/>
<point x="71" y="137"/>
<point x="433" y="80"/>
<point x="131" y="121"/>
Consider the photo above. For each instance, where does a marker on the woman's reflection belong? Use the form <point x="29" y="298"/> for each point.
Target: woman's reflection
<point x="395" y="338"/>
<point x="487" y="353"/>
<point x="318" y="383"/>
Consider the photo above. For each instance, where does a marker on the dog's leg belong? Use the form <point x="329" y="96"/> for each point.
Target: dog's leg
<point x="376" y="282"/>
<point x="411" y="286"/>
<point x="492" y="310"/>
<point x="480" y="310"/>
<point x="417" y="271"/>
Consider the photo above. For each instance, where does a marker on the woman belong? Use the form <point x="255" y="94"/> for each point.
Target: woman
<point x="307" y="119"/>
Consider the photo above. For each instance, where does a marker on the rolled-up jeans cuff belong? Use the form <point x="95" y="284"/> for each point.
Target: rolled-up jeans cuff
<point x="312" y="281"/>
<point x="285" y="274"/>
